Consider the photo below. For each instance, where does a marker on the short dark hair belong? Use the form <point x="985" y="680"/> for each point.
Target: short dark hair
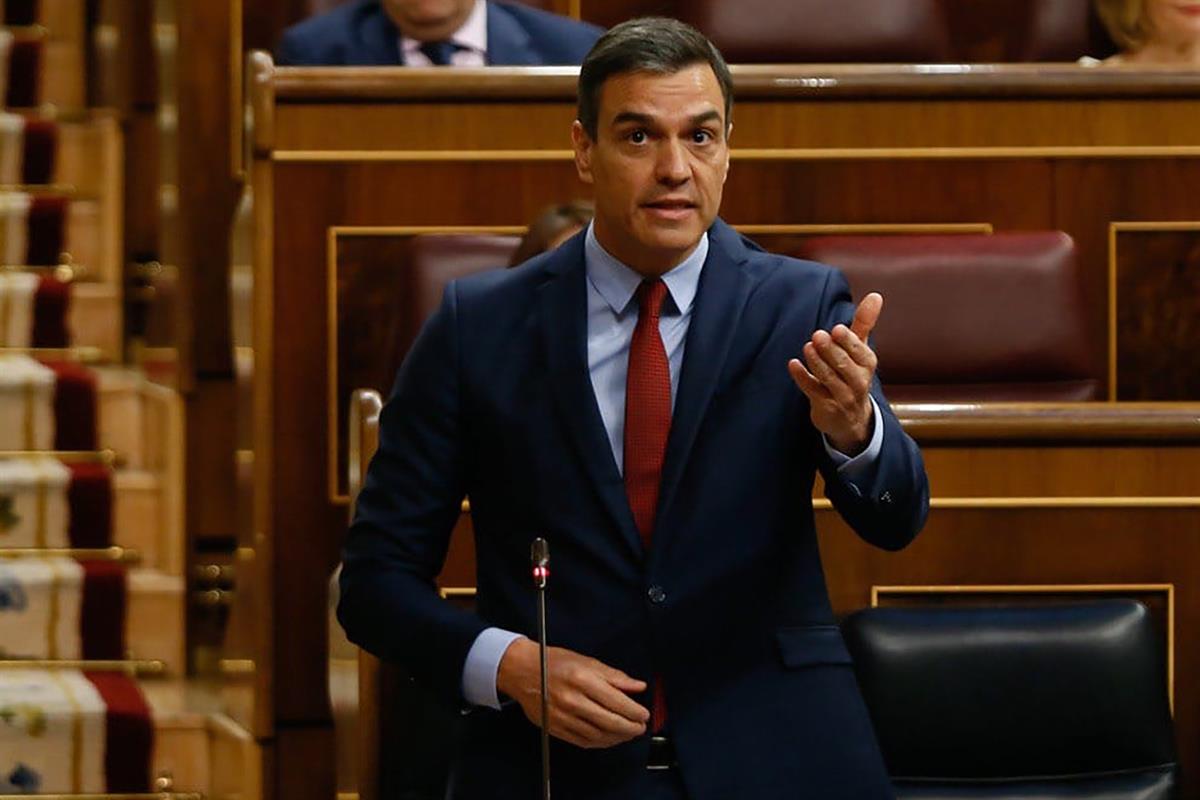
<point x="658" y="45"/>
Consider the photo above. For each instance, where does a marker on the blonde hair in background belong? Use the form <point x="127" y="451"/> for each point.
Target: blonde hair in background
<point x="1125" y="21"/>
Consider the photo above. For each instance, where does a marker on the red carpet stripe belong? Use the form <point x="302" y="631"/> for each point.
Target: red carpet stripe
<point x="24" y="73"/>
<point x="21" y="12"/>
<point x="89" y="505"/>
<point x="129" y="732"/>
<point x="74" y="406"/>
<point x="50" y="305"/>
<point x="41" y="149"/>
<point x="102" y="616"/>
<point x="47" y="230"/>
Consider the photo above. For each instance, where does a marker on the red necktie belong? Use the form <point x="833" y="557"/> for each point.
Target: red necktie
<point x="647" y="422"/>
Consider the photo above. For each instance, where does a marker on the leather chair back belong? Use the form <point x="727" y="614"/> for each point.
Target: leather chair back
<point x="972" y="317"/>
<point x="1048" y="702"/>
<point x="434" y="260"/>
<point x="814" y="31"/>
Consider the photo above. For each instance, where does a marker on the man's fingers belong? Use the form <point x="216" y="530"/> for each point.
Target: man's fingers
<point x="615" y="701"/>
<point x="577" y="731"/>
<point x="609" y="720"/>
<point x="838" y="391"/>
<point x="806" y="381"/>
<point x="622" y="681"/>
<point x="857" y="349"/>
<point x="592" y="724"/>
<point x="855" y="376"/>
<point x="866" y="315"/>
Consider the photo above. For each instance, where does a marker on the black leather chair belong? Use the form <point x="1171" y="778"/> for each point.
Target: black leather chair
<point x="1047" y="702"/>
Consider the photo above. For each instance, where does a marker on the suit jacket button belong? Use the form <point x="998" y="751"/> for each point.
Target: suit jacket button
<point x="885" y="499"/>
<point x="656" y="594"/>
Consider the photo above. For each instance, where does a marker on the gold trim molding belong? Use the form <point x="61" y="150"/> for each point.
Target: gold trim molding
<point x="1048" y="503"/>
<point x="754" y="154"/>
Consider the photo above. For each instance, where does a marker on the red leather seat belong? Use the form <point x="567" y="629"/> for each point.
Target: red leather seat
<point x="972" y="317"/>
<point x="433" y="261"/>
<point x="771" y="31"/>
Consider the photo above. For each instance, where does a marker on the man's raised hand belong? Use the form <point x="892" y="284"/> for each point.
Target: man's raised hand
<point x="837" y="379"/>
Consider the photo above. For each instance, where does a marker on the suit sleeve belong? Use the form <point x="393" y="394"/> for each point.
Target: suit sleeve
<point x="890" y="509"/>
<point x="404" y="516"/>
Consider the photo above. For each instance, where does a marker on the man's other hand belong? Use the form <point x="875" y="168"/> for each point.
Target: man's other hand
<point x="589" y="701"/>
<point x="837" y="379"/>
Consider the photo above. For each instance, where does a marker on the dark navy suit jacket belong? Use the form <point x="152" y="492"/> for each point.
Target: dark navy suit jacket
<point x="729" y="606"/>
<point x="360" y="33"/>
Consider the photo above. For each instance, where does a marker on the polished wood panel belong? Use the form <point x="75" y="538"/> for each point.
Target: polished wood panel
<point x="1156" y="293"/>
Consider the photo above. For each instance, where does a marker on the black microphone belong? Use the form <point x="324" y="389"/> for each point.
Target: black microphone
<point x="539" y="555"/>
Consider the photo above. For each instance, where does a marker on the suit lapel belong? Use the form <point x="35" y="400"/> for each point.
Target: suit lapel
<point x="379" y="39"/>
<point x="720" y="299"/>
<point x="508" y="43"/>
<point x="563" y="306"/>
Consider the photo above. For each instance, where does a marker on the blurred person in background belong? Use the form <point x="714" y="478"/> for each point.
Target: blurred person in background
<point x="552" y="227"/>
<point x="1155" y="32"/>
<point x="424" y="33"/>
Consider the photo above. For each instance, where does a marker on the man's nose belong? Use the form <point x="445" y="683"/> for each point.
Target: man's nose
<point x="672" y="166"/>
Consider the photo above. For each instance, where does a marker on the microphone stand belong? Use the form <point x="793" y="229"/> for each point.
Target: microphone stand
<point x="540" y="556"/>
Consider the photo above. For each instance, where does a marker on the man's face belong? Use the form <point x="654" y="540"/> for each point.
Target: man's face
<point x="428" y="20"/>
<point x="657" y="165"/>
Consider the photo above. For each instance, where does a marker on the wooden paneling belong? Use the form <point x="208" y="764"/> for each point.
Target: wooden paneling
<point x="1156" y="293"/>
<point x="1012" y="148"/>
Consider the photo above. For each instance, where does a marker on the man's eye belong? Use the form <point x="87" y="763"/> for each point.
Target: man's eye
<point x="637" y="137"/>
<point x="701" y="137"/>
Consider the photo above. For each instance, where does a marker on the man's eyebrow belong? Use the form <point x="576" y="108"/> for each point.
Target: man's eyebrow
<point x="632" y="116"/>
<point x="646" y="119"/>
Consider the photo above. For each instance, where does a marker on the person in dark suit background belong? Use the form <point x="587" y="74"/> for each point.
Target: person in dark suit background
<point x="435" y="33"/>
<point x="635" y="396"/>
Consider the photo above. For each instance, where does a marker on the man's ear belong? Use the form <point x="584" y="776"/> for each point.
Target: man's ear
<point x="583" y="151"/>
<point x="725" y="171"/>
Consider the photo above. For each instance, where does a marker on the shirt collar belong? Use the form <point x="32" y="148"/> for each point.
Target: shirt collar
<point x="617" y="283"/>
<point x="471" y="36"/>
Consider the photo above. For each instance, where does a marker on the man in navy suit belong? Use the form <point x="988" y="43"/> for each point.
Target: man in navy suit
<point x="435" y="33"/>
<point x="636" y="398"/>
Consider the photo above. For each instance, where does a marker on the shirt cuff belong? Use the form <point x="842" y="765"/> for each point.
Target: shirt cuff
<point x="482" y="664"/>
<point x="860" y="466"/>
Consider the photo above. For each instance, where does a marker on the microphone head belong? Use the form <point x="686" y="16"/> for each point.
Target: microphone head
<point x="539" y="552"/>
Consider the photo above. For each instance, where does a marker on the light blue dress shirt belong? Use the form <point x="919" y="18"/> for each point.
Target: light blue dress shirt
<point x="611" y="317"/>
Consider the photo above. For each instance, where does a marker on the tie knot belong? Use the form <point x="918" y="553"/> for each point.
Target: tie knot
<point x="439" y="53"/>
<point x="650" y="297"/>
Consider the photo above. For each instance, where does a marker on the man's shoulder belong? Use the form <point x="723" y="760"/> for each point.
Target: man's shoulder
<point x="327" y="39"/>
<point x="774" y="267"/>
<point x="553" y="34"/>
<point x="502" y="287"/>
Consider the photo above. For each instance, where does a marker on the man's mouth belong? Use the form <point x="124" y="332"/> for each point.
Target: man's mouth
<point x="670" y="204"/>
<point x="670" y="209"/>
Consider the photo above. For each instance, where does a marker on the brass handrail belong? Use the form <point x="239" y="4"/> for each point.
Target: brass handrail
<point x="133" y="667"/>
<point x="83" y="355"/>
<point x="107" y="457"/>
<point x="113" y="553"/>
<point x="65" y="272"/>
<point x="107" y="796"/>
<point x="41" y="189"/>
<point x="212" y="598"/>
<point x="26" y="32"/>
